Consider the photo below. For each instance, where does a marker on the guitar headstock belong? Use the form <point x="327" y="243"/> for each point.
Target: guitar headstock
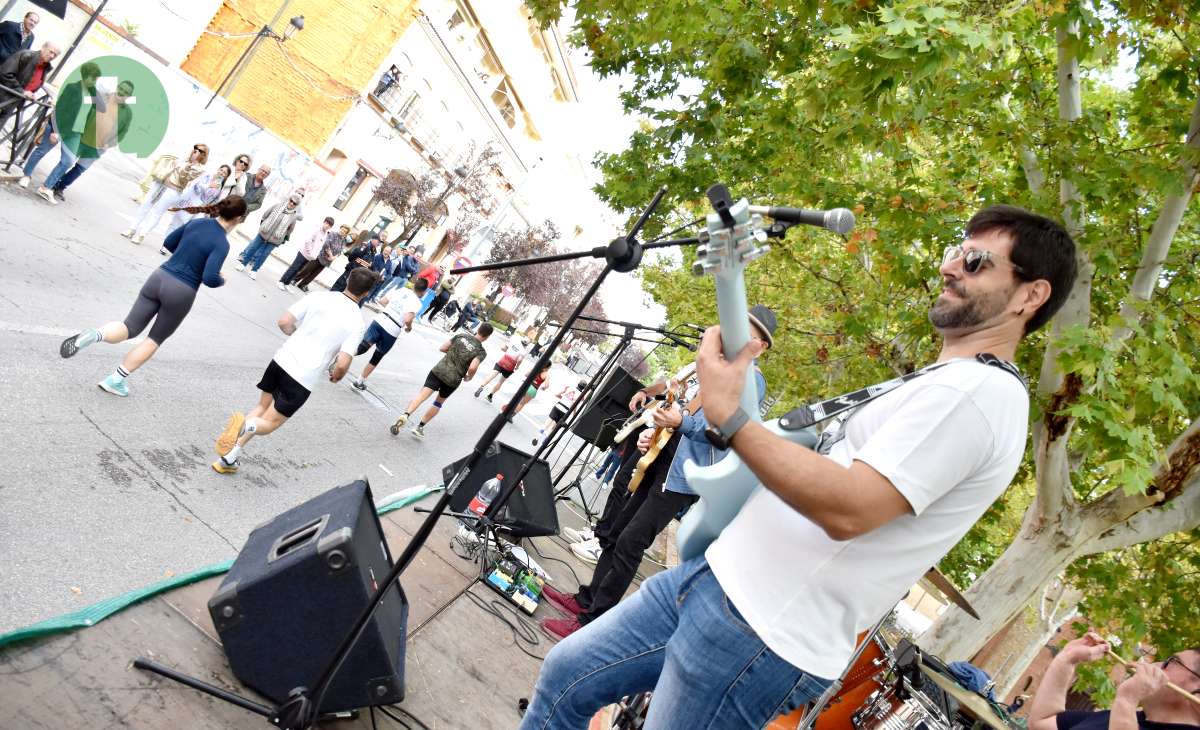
<point x="734" y="238"/>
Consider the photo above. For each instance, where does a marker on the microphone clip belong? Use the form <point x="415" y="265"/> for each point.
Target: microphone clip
<point x="778" y="228"/>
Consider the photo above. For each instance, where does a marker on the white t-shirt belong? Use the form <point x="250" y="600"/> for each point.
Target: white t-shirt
<point x="949" y="441"/>
<point x="327" y="323"/>
<point x="401" y="302"/>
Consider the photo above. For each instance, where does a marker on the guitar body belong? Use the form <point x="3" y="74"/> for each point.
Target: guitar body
<point x="662" y="437"/>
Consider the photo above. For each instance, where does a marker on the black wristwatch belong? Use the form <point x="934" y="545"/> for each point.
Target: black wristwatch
<point x="720" y="436"/>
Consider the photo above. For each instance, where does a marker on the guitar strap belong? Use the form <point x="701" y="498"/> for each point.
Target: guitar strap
<point x="814" y="413"/>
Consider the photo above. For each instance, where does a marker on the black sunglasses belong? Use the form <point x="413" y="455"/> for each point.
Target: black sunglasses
<point x="198" y="148"/>
<point x="974" y="259"/>
<point x="1179" y="661"/>
<point x="243" y="162"/>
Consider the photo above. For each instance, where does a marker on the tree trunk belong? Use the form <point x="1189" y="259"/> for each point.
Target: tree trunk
<point x="1001" y="593"/>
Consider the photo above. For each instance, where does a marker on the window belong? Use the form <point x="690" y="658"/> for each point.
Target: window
<point x="408" y="107"/>
<point x="351" y="188"/>
<point x="504" y="105"/>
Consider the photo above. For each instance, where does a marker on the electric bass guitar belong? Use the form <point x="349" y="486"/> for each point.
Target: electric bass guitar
<point x="735" y="238"/>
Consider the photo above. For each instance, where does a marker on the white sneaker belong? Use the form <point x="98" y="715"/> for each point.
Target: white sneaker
<point x="47" y="194"/>
<point x="588" y="552"/>
<point x="574" y="535"/>
<point x="280" y="286"/>
<point x="253" y="276"/>
<point x="138" y="239"/>
<point x="23" y="182"/>
<point x="240" y="266"/>
<point x="127" y="233"/>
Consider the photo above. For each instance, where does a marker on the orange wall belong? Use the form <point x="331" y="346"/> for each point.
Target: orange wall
<point x="341" y="47"/>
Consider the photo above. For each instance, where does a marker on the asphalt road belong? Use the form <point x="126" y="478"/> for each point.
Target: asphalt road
<point x="100" y="495"/>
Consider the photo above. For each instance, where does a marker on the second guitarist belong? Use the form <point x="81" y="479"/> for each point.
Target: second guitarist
<point x="632" y="521"/>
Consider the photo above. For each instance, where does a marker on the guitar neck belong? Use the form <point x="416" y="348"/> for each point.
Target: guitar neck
<point x="735" y="329"/>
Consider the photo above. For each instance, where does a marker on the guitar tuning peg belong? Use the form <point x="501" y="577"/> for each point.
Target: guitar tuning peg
<point x="760" y="235"/>
<point x="701" y="251"/>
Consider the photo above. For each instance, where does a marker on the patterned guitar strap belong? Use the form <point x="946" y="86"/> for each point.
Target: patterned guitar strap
<point x="814" y="413"/>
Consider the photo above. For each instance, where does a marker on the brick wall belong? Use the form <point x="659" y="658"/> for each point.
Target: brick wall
<point x="341" y="47"/>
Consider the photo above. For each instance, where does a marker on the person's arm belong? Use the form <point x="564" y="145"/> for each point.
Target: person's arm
<point x="340" y="367"/>
<point x="8" y="74"/>
<point x="639" y="398"/>
<point x="885" y="481"/>
<point x="445" y="346"/>
<point x="287" y="323"/>
<point x="171" y="242"/>
<point x="212" y="266"/>
<point x="473" y="367"/>
<point x="408" y="320"/>
<point x="1051" y="697"/>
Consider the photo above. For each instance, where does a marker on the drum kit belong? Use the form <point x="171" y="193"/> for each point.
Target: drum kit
<point x="887" y="685"/>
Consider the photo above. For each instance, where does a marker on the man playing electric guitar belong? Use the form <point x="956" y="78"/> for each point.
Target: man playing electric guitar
<point x="762" y="621"/>
<point x="631" y="522"/>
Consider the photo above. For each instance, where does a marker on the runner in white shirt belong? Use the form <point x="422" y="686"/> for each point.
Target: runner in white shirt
<point x="323" y="332"/>
<point x="831" y="542"/>
<point x="399" y="310"/>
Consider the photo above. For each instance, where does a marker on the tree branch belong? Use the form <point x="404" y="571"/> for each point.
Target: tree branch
<point x="1162" y="233"/>
<point x="1121" y="520"/>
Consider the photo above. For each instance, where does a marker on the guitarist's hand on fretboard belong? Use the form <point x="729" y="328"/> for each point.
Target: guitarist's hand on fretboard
<point x="668" y="417"/>
<point x="645" y="438"/>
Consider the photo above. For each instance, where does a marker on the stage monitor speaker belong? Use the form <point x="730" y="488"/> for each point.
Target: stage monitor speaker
<point x="530" y="511"/>
<point x="295" y="589"/>
<point x="607" y="409"/>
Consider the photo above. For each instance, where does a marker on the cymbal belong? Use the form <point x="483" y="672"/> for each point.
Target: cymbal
<point x="973" y="703"/>
<point x="947" y="589"/>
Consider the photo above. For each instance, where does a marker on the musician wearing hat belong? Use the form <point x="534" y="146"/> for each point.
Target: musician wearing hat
<point x="763" y="618"/>
<point x="631" y="522"/>
<point x="1162" y="707"/>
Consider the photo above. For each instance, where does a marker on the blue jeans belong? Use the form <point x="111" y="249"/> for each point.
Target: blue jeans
<point x="44" y="145"/>
<point x="66" y="160"/>
<point x="378" y="290"/>
<point x="608" y="468"/>
<point x="681" y="637"/>
<point x="255" y="255"/>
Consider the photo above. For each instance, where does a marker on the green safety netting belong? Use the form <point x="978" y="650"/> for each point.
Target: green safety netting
<point x="97" y="612"/>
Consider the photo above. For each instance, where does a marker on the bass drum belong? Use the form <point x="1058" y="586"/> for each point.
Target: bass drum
<point x="862" y="681"/>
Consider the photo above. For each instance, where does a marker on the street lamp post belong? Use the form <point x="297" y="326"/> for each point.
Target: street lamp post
<point x="294" y="26"/>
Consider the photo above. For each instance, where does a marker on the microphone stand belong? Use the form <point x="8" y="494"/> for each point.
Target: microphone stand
<point x="302" y="709"/>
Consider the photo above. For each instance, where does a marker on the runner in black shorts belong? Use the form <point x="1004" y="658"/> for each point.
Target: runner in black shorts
<point x="464" y="353"/>
<point x="198" y="249"/>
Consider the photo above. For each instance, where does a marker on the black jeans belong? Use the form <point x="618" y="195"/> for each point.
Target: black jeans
<point x="297" y="264"/>
<point x="645" y="514"/>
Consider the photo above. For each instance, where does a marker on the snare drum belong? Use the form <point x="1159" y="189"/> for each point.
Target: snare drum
<point x="858" y="687"/>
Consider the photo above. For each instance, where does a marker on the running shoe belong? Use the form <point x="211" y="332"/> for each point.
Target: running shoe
<point x="535" y="442"/>
<point x="280" y="286"/>
<point x="23" y="182"/>
<point x="127" y="233"/>
<point x="418" y="431"/>
<point x="359" y="383"/>
<point x="573" y="535"/>
<point x="114" y="386"/>
<point x="231" y="433"/>
<point x="221" y="466"/>
<point x="58" y="195"/>
<point x="47" y="194"/>
<point x="479" y="391"/>
<point x="68" y="348"/>
<point x="588" y="552"/>
<point x="162" y="251"/>
<point x="138" y="238"/>
<point x="395" y="428"/>
<point x="239" y="266"/>
<point x="489" y="397"/>
<point x="253" y="276"/>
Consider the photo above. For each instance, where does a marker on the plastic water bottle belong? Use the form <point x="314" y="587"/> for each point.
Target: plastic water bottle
<point x="489" y="490"/>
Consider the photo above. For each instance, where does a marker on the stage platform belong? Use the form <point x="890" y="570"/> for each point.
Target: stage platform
<point x="464" y="669"/>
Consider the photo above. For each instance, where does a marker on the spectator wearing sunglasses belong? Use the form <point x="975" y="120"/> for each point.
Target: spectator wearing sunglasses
<point x="1146" y="687"/>
<point x="167" y="193"/>
<point x="235" y="183"/>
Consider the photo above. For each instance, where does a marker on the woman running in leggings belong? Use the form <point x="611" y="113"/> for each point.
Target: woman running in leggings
<point x="198" y="249"/>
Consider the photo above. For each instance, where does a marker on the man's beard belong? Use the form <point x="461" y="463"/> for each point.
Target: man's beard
<point x="966" y="311"/>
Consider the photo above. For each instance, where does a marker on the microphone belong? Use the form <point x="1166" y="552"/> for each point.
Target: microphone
<point x="838" y="220"/>
<point x="679" y="342"/>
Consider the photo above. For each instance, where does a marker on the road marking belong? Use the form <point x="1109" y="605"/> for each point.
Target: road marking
<point x="385" y="470"/>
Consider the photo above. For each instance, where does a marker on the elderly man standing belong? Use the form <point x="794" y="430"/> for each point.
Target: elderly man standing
<point x="25" y="71"/>
<point x="277" y="224"/>
<point x="16" y="37"/>
<point x="256" y="189"/>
